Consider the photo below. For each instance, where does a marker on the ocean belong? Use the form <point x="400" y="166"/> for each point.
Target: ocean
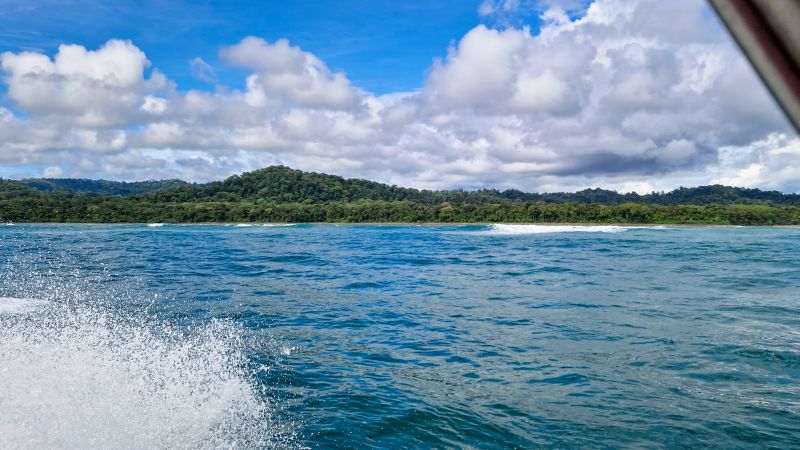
<point x="379" y="336"/>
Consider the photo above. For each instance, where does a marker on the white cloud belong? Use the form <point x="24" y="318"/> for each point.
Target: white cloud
<point x="154" y="105"/>
<point x="510" y="5"/>
<point x="487" y="8"/>
<point x="554" y="16"/>
<point x="479" y="72"/>
<point x="633" y="95"/>
<point x="202" y="70"/>
<point x="53" y="172"/>
<point x="102" y="87"/>
<point x="287" y="73"/>
<point x="772" y="163"/>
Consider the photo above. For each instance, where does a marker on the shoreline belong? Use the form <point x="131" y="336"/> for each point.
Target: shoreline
<point x="409" y="224"/>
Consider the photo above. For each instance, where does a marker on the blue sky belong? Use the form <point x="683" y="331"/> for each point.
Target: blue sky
<point x="538" y="95"/>
<point x="383" y="46"/>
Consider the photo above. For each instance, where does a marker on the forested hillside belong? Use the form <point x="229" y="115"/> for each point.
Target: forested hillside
<point x="280" y="184"/>
<point x="102" y="187"/>
<point x="279" y="193"/>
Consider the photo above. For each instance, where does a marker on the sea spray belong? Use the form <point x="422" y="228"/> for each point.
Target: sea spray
<point x="11" y="305"/>
<point x="78" y="373"/>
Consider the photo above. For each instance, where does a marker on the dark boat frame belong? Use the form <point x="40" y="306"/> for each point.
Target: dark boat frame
<point x="768" y="31"/>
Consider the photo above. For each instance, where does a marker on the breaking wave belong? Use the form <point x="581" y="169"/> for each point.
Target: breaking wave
<point x="542" y="229"/>
<point x="511" y="229"/>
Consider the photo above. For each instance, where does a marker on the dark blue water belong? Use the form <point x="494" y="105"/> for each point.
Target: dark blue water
<point x="461" y="336"/>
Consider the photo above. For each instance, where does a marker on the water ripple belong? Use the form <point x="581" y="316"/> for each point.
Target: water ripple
<point x="460" y="336"/>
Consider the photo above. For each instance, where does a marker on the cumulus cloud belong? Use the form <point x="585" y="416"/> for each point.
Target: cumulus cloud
<point x="508" y="72"/>
<point x="283" y="72"/>
<point x="93" y="88"/>
<point x="629" y="95"/>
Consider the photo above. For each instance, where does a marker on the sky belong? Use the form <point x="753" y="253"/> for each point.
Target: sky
<point x="538" y="95"/>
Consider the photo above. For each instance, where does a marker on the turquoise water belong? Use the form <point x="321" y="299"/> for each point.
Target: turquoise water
<point x="399" y="336"/>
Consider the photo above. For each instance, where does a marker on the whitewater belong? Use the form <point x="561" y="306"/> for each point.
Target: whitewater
<point x="78" y="374"/>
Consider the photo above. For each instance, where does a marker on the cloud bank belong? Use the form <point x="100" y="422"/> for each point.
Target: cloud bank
<point x="630" y="95"/>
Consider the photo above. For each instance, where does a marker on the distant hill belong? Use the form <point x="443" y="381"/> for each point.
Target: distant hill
<point x="281" y="194"/>
<point x="721" y="195"/>
<point x="14" y="189"/>
<point x="102" y="187"/>
<point x="279" y="184"/>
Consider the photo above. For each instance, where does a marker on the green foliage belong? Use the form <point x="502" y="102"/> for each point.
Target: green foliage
<point x="102" y="187"/>
<point x="64" y="207"/>
<point x="278" y="184"/>
<point x="280" y="194"/>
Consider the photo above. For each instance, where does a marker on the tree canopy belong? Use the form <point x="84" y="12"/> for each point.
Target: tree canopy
<point x="281" y="194"/>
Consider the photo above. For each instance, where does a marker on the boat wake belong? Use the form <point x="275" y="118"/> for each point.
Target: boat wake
<point x="83" y="376"/>
<point x="11" y="305"/>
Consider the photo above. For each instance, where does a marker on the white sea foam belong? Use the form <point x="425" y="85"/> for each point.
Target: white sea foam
<point x="12" y="305"/>
<point x="155" y="225"/>
<point x="74" y="376"/>
<point x="509" y="229"/>
<point x="287" y="350"/>
<point x="244" y="225"/>
<point x="542" y="229"/>
<point x="278" y="224"/>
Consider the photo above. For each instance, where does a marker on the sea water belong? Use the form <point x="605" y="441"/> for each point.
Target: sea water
<point x="479" y="336"/>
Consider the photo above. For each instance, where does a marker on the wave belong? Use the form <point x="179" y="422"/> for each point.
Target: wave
<point x="512" y="229"/>
<point x="155" y="225"/>
<point x="278" y="224"/>
<point x="78" y="376"/>
<point x="243" y="225"/>
<point x="542" y="229"/>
